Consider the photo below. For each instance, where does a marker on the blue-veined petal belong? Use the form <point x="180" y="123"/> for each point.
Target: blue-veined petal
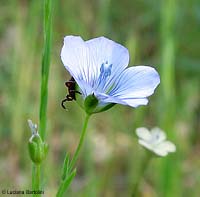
<point x="99" y="67"/>
<point x="136" y="82"/>
<point x="132" y="87"/>
<point x="133" y="102"/>
<point x="88" y="61"/>
<point x="104" y="51"/>
<point x="76" y="59"/>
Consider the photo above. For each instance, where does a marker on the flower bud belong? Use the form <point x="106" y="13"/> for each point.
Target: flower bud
<point x="37" y="148"/>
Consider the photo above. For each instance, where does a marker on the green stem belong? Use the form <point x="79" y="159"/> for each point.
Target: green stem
<point x="45" y="66"/>
<point x="36" y="179"/>
<point x="75" y="157"/>
<point x="36" y="174"/>
<point x="144" y="165"/>
<point x="71" y="173"/>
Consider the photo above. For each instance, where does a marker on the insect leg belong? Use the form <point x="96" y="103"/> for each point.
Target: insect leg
<point x="62" y="103"/>
<point x="69" y="98"/>
<point x="75" y="91"/>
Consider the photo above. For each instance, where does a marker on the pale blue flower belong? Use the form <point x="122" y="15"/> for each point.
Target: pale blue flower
<point x="99" y="67"/>
<point x="155" y="141"/>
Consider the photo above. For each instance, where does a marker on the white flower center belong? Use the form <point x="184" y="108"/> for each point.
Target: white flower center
<point x="155" y="139"/>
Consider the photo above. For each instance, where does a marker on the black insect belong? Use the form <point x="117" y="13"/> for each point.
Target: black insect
<point x="71" y="85"/>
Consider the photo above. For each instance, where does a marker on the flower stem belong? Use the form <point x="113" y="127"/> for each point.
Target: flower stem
<point x="36" y="179"/>
<point x="144" y="165"/>
<point x="70" y="170"/>
<point x="75" y="157"/>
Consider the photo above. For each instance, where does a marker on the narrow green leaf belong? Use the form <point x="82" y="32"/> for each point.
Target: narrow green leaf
<point x="69" y="179"/>
<point x="65" y="168"/>
<point x="65" y="184"/>
<point x="45" y="66"/>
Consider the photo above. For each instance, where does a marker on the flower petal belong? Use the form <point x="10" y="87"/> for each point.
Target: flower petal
<point x="110" y="99"/>
<point x="75" y="57"/>
<point x="164" y="148"/>
<point x="143" y="133"/>
<point x="158" y="135"/>
<point x="136" y="82"/>
<point x="104" y="50"/>
<point x="168" y="146"/>
<point x="84" y="60"/>
<point x="135" y="102"/>
<point x="146" y="145"/>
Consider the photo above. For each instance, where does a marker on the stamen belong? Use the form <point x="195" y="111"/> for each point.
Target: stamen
<point x="105" y="72"/>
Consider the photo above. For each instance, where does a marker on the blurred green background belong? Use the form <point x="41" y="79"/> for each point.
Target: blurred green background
<point x="163" y="33"/>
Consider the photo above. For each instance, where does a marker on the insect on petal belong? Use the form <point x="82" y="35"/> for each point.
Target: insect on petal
<point x="84" y="61"/>
<point x="99" y="67"/>
<point x="75" y="57"/>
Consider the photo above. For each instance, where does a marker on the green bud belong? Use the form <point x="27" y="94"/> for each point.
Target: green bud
<point x="90" y="104"/>
<point x="37" y="148"/>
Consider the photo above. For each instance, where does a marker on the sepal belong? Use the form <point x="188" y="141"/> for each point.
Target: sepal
<point x="90" y="104"/>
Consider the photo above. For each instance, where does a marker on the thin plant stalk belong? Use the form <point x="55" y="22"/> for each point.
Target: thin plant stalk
<point x="45" y="66"/>
<point x="75" y="157"/>
<point x="70" y="171"/>
<point x="36" y="175"/>
<point x="144" y="165"/>
<point x="36" y="178"/>
<point x="170" y="170"/>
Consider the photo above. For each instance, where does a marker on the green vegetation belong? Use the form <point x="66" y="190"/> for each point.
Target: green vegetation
<point x="160" y="33"/>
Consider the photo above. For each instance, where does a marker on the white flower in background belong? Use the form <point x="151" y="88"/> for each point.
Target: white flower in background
<point x="155" y="141"/>
<point x="99" y="67"/>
